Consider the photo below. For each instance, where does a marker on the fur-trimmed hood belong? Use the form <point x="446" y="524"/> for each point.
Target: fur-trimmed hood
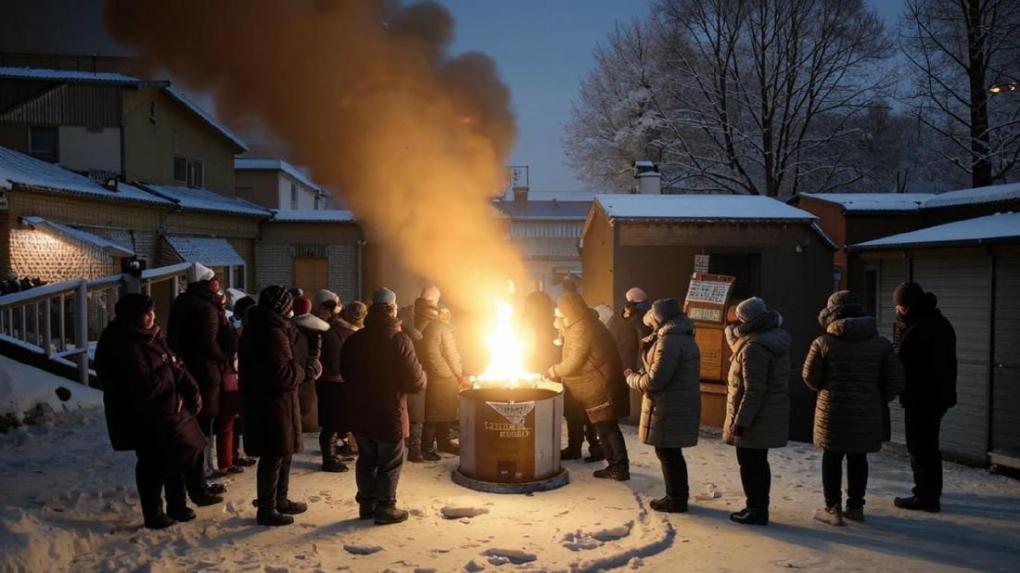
<point x="310" y="322"/>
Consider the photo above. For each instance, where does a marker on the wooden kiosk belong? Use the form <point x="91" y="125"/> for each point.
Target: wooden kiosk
<point x="708" y="305"/>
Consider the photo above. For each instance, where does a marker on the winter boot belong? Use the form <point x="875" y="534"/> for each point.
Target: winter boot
<point x="669" y="505"/>
<point x="915" y="503"/>
<point x="366" y="511"/>
<point x="216" y="489"/>
<point x="388" y="514"/>
<point x="570" y="453"/>
<point x="289" y="507"/>
<point x="414" y="455"/>
<point x="268" y="516"/>
<point x="159" y="521"/>
<point x="445" y="442"/>
<point x="244" y="461"/>
<point x="204" y="498"/>
<point x="618" y="472"/>
<point x="596" y="454"/>
<point x="334" y="465"/>
<point x="833" y="515"/>
<point x="430" y="456"/>
<point x="748" y="516"/>
<point x="346" y="452"/>
<point x="854" y="514"/>
<point x="182" y="514"/>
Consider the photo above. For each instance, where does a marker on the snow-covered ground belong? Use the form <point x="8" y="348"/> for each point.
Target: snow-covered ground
<point x="67" y="502"/>
<point x="23" y="387"/>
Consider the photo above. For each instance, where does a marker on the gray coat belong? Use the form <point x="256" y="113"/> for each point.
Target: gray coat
<point x="856" y="373"/>
<point x="757" y="394"/>
<point x="671" y="406"/>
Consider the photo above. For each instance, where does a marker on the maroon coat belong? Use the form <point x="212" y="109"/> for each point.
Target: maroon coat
<point x="270" y="378"/>
<point x="149" y="396"/>
<point x="199" y="333"/>
<point x="380" y="369"/>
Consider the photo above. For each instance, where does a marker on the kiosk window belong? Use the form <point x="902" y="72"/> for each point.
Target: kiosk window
<point x="745" y="268"/>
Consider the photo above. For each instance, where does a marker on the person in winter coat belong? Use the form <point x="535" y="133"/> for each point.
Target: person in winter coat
<point x="671" y="406"/>
<point x="237" y="322"/>
<point x="380" y="368"/>
<point x="230" y="400"/>
<point x="194" y="333"/>
<point x="856" y="373"/>
<point x="414" y="320"/>
<point x="272" y="377"/>
<point x="592" y="373"/>
<point x="445" y="373"/>
<point x="308" y="352"/>
<point x="629" y="329"/>
<point x="926" y="345"/>
<point x="757" y="402"/>
<point x="151" y="402"/>
<point x="330" y="386"/>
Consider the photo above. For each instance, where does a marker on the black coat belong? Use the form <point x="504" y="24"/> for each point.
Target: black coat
<point x="270" y="378"/>
<point x="380" y="368"/>
<point x="199" y="333"/>
<point x="330" y="387"/>
<point x="149" y="396"/>
<point x="926" y="344"/>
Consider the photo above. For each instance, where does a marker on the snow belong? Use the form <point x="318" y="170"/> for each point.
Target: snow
<point x="206" y="200"/>
<point x="700" y="207"/>
<point x="23" y="387"/>
<point x="67" y="502"/>
<point x="274" y="164"/>
<point x="209" y="251"/>
<point x="1001" y="227"/>
<point x="16" y="167"/>
<point x="79" y="235"/>
<point x="313" y="216"/>
<point x="852" y="202"/>
<point x="991" y="194"/>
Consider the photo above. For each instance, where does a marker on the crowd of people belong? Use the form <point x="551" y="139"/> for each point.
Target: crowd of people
<point x="380" y="382"/>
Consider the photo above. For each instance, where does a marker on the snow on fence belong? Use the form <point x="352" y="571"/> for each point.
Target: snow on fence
<point x="62" y="321"/>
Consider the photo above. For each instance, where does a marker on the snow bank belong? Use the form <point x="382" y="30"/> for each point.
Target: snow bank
<point x="24" y="387"/>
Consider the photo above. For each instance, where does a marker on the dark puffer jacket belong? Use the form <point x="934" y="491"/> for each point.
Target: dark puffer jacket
<point x="856" y="373"/>
<point x="148" y="394"/>
<point x="380" y="369"/>
<point x="926" y="344"/>
<point x="271" y="381"/>
<point x="444" y="370"/>
<point x="671" y="406"/>
<point x="757" y="397"/>
<point x="591" y="368"/>
<point x="195" y="333"/>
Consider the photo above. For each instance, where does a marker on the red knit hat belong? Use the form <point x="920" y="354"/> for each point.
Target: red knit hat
<point x="302" y="305"/>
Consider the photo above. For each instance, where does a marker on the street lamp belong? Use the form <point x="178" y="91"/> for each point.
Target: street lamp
<point x="996" y="89"/>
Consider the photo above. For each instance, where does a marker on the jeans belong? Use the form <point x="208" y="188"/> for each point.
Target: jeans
<point x="674" y="472"/>
<point x="613" y="444"/>
<point x="756" y="476"/>
<point x="923" y="427"/>
<point x="578" y="427"/>
<point x="856" y="478"/>
<point x="273" y="480"/>
<point x="377" y="471"/>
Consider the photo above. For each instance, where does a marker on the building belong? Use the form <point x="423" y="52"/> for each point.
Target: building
<point x="276" y="184"/>
<point x="973" y="266"/>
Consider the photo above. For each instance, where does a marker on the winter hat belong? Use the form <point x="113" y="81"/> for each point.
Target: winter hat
<point x="277" y="299"/>
<point x="636" y="294"/>
<point x="572" y="306"/>
<point x="841" y="304"/>
<point x="751" y="309"/>
<point x="432" y="294"/>
<point x="296" y="292"/>
<point x="908" y="294"/>
<point x="241" y="306"/>
<point x="354" y="312"/>
<point x="665" y="309"/>
<point x="200" y="272"/>
<point x="132" y="306"/>
<point x="324" y="296"/>
<point x="302" y="305"/>
<point x="384" y="296"/>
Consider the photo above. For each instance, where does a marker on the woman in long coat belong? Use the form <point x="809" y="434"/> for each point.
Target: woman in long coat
<point x="445" y="372"/>
<point x="757" y="402"/>
<point x="856" y="373"/>
<point x="671" y="406"/>
<point x="592" y="372"/>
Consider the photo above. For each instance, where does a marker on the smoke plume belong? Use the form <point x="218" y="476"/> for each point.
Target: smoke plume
<point x="365" y="93"/>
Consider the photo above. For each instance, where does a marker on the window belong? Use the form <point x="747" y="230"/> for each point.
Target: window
<point x="42" y="143"/>
<point x="196" y="173"/>
<point x="871" y="292"/>
<point x="293" y="196"/>
<point x="745" y="268"/>
<point x="180" y="169"/>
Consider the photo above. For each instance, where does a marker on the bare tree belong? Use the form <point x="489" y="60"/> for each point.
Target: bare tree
<point x="958" y="50"/>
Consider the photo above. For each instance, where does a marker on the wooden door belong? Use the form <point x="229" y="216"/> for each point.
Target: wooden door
<point x="311" y="274"/>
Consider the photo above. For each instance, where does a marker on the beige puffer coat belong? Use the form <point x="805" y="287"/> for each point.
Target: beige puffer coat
<point x="757" y="397"/>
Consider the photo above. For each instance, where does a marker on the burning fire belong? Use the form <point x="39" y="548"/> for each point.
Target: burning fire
<point x="506" y="354"/>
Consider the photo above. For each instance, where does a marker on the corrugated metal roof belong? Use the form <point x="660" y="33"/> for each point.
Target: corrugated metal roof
<point x="873" y="202"/>
<point x="984" y="195"/>
<point x="206" y="200"/>
<point x="701" y="208"/>
<point x="210" y="251"/>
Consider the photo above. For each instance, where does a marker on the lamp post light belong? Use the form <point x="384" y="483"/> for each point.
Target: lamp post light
<point x="1005" y="87"/>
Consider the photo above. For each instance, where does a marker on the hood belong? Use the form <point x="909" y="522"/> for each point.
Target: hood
<point x="854" y="328"/>
<point x="677" y="325"/>
<point x="310" y="322"/>
<point x="761" y="325"/>
<point x="573" y="308"/>
<point x="378" y="318"/>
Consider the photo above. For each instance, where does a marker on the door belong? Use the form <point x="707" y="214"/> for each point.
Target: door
<point x="1006" y="364"/>
<point x="311" y="274"/>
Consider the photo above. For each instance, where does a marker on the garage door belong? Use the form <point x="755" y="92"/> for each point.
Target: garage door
<point x="311" y="274"/>
<point x="1006" y="367"/>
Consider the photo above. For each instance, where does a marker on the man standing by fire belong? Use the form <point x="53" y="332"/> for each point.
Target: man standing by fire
<point x="592" y="372"/>
<point x="414" y="319"/>
<point x="380" y="368"/>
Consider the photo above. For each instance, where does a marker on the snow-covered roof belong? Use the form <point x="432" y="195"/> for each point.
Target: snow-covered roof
<point x="273" y="164"/>
<point x="998" y="228"/>
<point x="991" y="194"/>
<point x="313" y="216"/>
<point x="78" y="235"/>
<point x="871" y="202"/>
<point x="210" y="251"/>
<point x="206" y="200"/>
<point x="21" y="169"/>
<point x="700" y="208"/>
<point x="544" y="210"/>
<point x="124" y="80"/>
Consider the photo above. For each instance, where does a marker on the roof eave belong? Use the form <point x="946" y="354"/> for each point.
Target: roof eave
<point x="990" y="242"/>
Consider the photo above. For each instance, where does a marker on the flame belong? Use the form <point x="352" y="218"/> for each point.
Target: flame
<point x="506" y="353"/>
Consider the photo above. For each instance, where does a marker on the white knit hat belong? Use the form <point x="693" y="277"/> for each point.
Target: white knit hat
<point x="200" y="272"/>
<point x="384" y="296"/>
<point x="324" y="296"/>
<point x="636" y="294"/>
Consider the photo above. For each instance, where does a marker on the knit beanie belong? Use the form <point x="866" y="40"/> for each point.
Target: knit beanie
<point x="384" y="296"/>
<point x="200" y="272"/>
<point x="665" y="309"/>
<point x="132" y="306"/>
<point x="277" y="299"/>
<point x="302" y="305"/>
<point x="908" y="294"/>
<point x="324" y="296"/>
<point x="751" y="309"/>
<point x="636" y="294"/>
<point x="242" y="306"/>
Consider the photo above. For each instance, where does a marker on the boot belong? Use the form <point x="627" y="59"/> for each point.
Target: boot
<point x="268" y="516"/>
<point x="366" y="511"/>
<point x="244" y="461"/>
<point x="216" y="488"/>
<point x="618" y="472"/>
<point x="445" y="442"/>
<point x="414" y="455"/>
<point x="388" y="514"/>
<point x="915" y="503"/>
<point x="832" y="515"/>
<point x="748" y="516"/>
<point x="334" y="465"/>
<point x="669" y="505"/>
<point x="570" y="453"/>
<point x="854" y="514"/>
<point x="289" y="507"/>
<point x="346" y="452"/>
<point x="159" y="521"/>
<point x="597" y="454"/>
<point x="182" y="514"/>
<point x="204" y="498"/>
<point x="430" y="456"/>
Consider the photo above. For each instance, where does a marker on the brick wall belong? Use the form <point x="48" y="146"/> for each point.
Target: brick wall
<point x="38" y="254"/>
<point x="343" y="270"/>
<point x="274" y="263"/>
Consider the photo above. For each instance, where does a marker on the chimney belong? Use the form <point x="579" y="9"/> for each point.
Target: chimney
<point x="520" y="194"/>
<point x="649" y="180"/>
